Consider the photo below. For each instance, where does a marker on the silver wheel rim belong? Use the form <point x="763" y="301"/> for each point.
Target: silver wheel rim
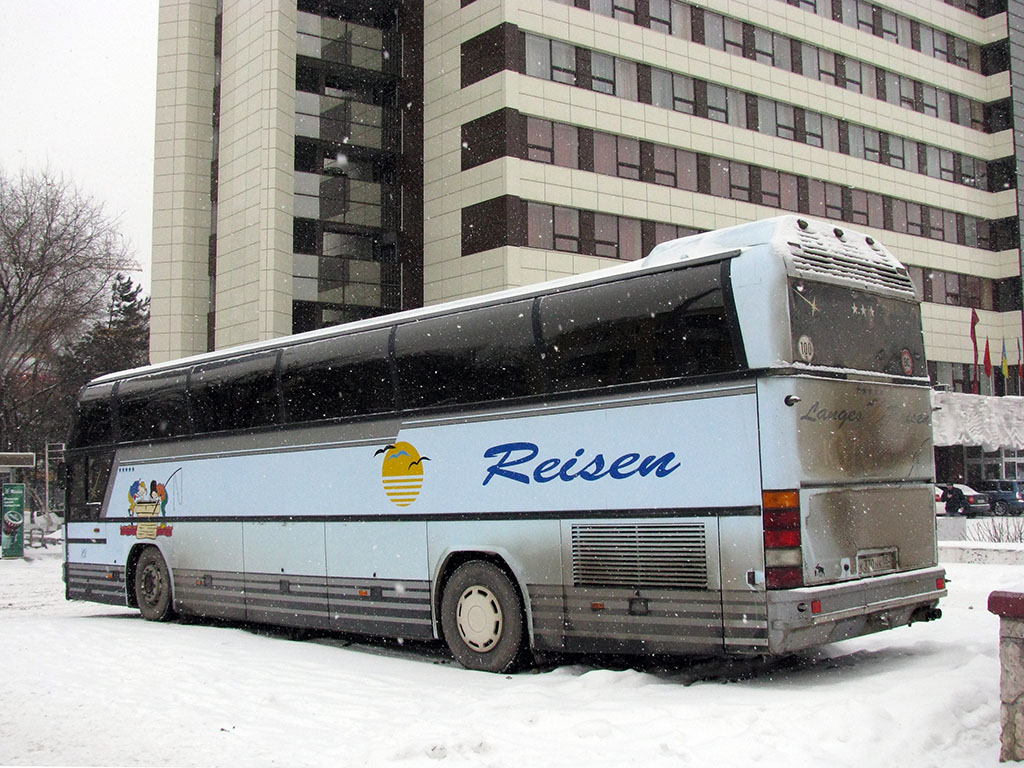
<point x="479" y="619"/>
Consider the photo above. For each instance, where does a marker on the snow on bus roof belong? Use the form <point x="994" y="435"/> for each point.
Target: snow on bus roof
<point x="777" y="231"/>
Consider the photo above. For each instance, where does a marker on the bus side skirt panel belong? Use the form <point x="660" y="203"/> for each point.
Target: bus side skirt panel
<point x="96" y="583"/>
<point x="610" y="620"/>
<point x="210" y="594"/>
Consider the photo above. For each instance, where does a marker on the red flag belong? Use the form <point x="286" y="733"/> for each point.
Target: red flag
<point x="974" y="340"/>
<point x="988" y="360"/>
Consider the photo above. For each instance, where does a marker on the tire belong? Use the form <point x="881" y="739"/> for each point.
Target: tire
<point x="482" y="617"/>
<point x="153" y="586"/>
<point x="1001" y="508"/>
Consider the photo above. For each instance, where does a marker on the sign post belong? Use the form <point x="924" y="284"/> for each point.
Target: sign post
<point x="12" y="538"/>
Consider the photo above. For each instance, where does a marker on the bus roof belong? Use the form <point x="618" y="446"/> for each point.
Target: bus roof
<point x="778" y="232"/>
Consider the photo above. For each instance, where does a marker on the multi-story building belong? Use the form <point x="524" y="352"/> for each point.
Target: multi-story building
<point x="324" y="160"/>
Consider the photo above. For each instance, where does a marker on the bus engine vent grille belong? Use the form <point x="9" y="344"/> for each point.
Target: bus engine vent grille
<point x="814" y="256"/>
<point x="666" y="556"/>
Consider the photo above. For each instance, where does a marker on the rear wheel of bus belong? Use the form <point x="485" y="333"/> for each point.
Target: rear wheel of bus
<point x="153" y="585"/>
<point x="482" y="617"/>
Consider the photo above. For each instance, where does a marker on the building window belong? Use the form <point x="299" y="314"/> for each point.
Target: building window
<point x="613" y="76"/>
<point x="826" y="66"/>
<point x="665" y="232"/>
<point x="622" y="10"/>
<point x="617" y="237"/>
<point x="718" y="103"/>
<point x="616" y="155"/>
<point x="550" y="60"/>
<point x="661" y="16"/>
<point x="779" y="190"/>
<point x="675" y="167"/>
<point x="730" y="179"/>
<point x="553" y="227"/>
<point x="552" y="143"/>
<point x="671" y="91"/>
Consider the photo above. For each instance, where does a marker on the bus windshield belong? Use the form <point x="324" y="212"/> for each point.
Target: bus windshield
<point x="840" y="327"/>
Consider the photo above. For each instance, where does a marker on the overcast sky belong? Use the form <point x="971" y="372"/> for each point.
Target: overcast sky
<point x="77" y="95"/>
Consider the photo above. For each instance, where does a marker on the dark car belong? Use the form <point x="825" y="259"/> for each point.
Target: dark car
<point x="1005" y="496"/>
<point x="975" y="502"/>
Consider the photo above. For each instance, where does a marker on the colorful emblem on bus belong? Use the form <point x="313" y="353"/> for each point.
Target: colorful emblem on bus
<point x="402" y="472"/>
<point x="147" y="502"/>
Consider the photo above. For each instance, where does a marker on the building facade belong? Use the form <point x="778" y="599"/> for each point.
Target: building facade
<point x="319" y="161"/>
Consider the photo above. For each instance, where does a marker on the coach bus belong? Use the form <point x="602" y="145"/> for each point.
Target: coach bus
<point x="724" y="447"/>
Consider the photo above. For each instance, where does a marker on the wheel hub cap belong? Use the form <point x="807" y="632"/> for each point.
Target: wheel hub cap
<point x="479" y="619"/>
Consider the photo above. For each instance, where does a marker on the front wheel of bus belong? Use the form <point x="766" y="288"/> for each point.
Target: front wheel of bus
<point x="482" y="617"/>
<point x="153" y="585"/>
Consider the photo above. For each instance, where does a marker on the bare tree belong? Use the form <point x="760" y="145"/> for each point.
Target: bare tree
<point x="59" y="253"/>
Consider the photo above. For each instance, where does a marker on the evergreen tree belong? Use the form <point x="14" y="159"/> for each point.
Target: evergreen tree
<point x="117" y="342"/>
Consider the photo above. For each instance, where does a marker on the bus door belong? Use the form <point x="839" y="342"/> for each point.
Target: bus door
<point x="90" y="575"/>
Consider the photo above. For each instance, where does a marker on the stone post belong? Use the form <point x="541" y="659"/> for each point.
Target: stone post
<point x="1009" y="606"/>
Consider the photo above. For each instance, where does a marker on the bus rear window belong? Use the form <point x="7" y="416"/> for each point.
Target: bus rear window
<point x="840" y="327"/>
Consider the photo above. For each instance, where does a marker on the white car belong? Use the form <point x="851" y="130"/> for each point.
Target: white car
<point x="975" y="502"/>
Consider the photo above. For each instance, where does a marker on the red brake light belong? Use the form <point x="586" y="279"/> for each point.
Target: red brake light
<point x="780" y="539"/>
<point x="783" y="556"/>
<point x="781" y="519"/>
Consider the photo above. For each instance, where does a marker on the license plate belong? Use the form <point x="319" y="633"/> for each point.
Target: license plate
<point x="876" y="562"/>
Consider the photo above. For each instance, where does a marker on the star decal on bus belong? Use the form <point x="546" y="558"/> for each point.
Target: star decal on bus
<point x="812" y="302"/>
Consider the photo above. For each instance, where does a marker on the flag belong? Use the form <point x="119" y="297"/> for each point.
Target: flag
<point x="1020" y="363"/>
<point x="1003" y="362"/>
<point x="988" y="360"/>
<point x="974" y="340"/>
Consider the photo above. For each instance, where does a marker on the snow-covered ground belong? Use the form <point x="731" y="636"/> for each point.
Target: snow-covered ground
<point x="86" y="684"/>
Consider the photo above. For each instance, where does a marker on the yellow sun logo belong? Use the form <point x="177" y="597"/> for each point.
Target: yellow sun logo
<point x="402" y="472"/>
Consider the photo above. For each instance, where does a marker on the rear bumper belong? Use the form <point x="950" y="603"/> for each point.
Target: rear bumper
<point x="850" y="609"/>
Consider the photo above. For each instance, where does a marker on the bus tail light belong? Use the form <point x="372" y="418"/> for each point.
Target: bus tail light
<point x="783" y="555"/>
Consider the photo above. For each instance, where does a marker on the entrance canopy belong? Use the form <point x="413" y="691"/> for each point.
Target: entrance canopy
<point x="990" y="422"/>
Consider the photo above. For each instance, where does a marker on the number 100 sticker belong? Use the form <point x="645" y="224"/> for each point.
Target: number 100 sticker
<point x="806" y="348"/>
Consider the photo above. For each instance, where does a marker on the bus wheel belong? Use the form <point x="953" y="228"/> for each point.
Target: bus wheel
<point x="153" y="585"/>
<point x="482" y="617"/>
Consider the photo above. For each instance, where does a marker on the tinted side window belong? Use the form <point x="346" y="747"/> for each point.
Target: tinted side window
<point x="475" y="356"/>
<point x="93" y="422"/>
<point x="87" y="485"/>
<point x="645" y="328"/>
<point x="339" y="377"/>
<point x="152" y="407"/>
<point x="234" y="394"/>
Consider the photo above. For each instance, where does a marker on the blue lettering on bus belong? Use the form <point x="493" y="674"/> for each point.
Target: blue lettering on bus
<point x="521" y="455"/>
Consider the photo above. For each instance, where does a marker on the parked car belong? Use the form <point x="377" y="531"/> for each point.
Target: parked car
<point x="975" y="503"/>
<point x="1005" y="496"/>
